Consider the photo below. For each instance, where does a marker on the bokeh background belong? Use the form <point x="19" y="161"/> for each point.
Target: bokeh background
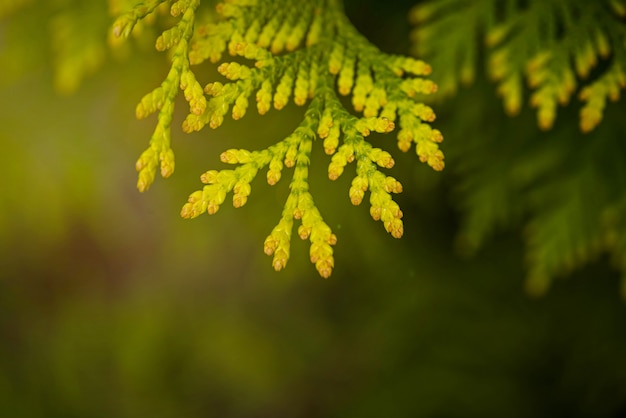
<point x="111" y="305"/>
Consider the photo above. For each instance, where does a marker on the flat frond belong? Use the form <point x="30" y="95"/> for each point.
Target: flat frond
<point x="554" y="47"/>
<point x="287" y="51"/>
<point x="567" y="193"/>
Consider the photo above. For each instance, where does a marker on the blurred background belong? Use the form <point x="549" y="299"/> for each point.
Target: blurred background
<point x="111" y="305"/>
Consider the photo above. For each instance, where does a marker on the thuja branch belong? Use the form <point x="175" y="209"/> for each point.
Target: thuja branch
<point x="301" y="51"/>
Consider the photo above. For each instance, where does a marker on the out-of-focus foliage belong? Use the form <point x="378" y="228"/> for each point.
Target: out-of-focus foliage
<point x="72" y="35"/>
<point x="546" y="43"/>
<point x="567" y="188"/>
<point x="112" y="306"/>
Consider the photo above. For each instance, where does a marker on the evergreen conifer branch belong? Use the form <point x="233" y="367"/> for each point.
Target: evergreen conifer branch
<point x="78" y="49"/>
<point x="566" y="191"/>
<point x="557" y="47"/>
<point x="300" y="51"/>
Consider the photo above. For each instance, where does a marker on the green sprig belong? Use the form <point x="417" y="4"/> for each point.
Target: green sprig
<point x="300" y="52"/>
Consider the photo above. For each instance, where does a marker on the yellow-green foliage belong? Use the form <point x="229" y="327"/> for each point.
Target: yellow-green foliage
<point x="70" y="36"/>
<point x="38" y="31"/>
<point x="558" y="47"/>
<point x="300" y="51"/>
<point x="566" y="188"/>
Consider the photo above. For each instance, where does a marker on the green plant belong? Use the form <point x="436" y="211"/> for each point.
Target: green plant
<point x="308" y="51"/>
<point x="566" y="187"/>
<point x="562" y="182"/>
<point x="554" y="45"/>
